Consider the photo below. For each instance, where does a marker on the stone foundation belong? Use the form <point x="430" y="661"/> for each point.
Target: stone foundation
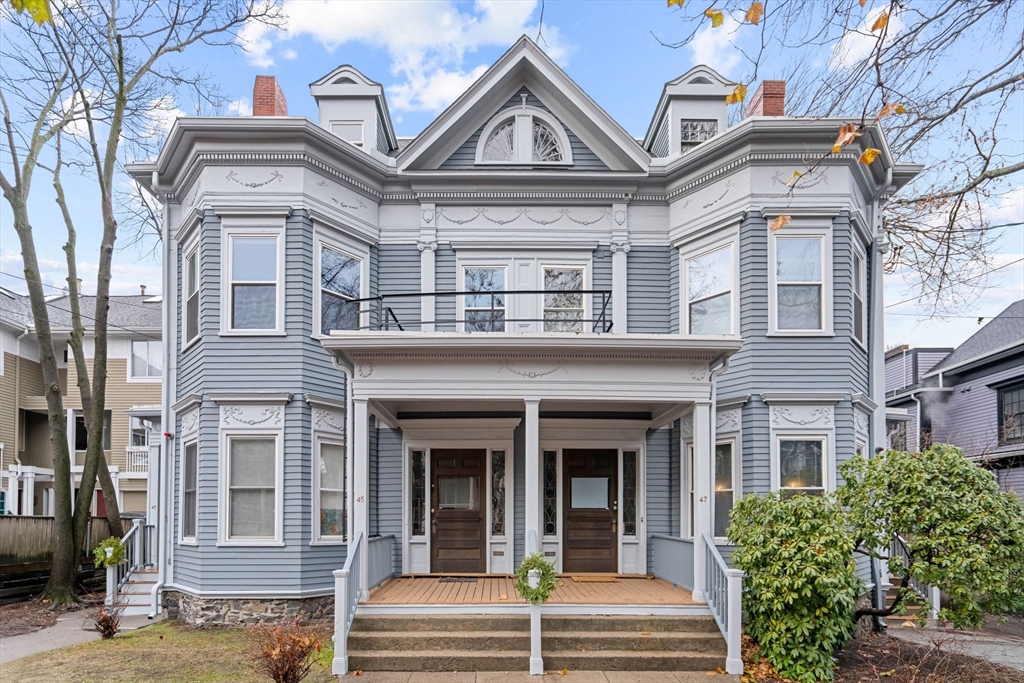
<point x="201" y="612"/>
<point x="864" y="625"/>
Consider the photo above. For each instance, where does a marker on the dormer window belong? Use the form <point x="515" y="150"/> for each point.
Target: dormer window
<point x="350" y="131"/>
<point x="527" y="136"/>
<point x="695" y="132"/>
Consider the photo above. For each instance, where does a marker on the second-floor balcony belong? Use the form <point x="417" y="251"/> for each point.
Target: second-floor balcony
<point x="136" y="460"/>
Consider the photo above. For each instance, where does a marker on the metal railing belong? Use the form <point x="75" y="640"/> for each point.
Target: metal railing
<point x="673" y="559"/>
<point x="899" y="555"/>
<point x="346" y="599"/>
<point x="724" y="593"/>
<point x="137" y="459"/>
<point x="490" y="317"/>
<point x="381" y="559"/>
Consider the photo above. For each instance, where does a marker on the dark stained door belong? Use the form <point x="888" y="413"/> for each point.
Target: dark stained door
<point x="457" y="510"/>
<point x="591" y="513"/>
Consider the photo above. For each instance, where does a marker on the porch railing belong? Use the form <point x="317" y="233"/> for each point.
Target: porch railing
<point x="486" y="311"/>
<point x="381" y="559"/>
<point x="673" y="559"/>
<point x="899" y="555"/>
<point x="136" y="460"/>
<point x="118" y="574"/>
<point x="346" y="600"/>
<point x="724" y="592"/>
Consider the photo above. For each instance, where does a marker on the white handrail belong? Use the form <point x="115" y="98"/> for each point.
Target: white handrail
<point x="724" y="593"/>
<point x="930" y="594"/>
<point x="119" y="573"/>
<point x="346" y="600"/>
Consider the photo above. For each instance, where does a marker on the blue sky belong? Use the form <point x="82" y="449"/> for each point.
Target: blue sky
<point x="425" y="54"/>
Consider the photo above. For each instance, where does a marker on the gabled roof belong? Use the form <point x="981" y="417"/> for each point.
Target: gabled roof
<point x="1003" y="332"/>
<point x="347" y="81"/>
<point x="525" y="64"/>
<point x="700" y="81"/>
<point x="126" y="313"/>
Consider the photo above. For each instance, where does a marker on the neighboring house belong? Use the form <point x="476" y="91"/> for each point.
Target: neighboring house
<point x="134" y="376"/>
<point x="971" y="396"/>
<point x="521" y="330"/>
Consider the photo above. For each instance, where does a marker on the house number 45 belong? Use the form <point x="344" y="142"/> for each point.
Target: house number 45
<point x="360" y="499"/>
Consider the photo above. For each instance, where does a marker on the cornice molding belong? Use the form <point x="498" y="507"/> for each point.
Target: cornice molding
<point x="752" y="157"/>
<point x="232" y="397"/>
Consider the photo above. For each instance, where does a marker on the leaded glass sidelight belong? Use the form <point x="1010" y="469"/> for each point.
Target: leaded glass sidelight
<point x="419" y="493"/>
<point x="497" y="493"/>
<point x="501" y="145"/>
<point x="545" y="143"/>
<point x="629" y="493"/>
<point x="550" y="493"/>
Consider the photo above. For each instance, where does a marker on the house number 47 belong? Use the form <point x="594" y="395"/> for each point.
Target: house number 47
<point x="703" y="499"/>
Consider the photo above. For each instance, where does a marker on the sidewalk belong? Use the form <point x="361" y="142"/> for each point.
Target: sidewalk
<point x="570" y="677"/>
<point x="71" y="628"/>
<point x="997" y="643"/>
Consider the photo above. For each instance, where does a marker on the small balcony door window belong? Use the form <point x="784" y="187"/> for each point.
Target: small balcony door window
<point x="563" y="299"/>
<point x="484" y="311"/>
<point x="340" y="285"/>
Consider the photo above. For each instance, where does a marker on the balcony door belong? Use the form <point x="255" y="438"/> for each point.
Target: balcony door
<point x="458" y="516"/>
<point x="591" y="511"/>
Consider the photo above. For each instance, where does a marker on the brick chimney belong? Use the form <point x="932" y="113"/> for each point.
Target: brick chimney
<point x="267" y="98"/>
<point x="142" y="290"/>
<point x="769" y="100"/>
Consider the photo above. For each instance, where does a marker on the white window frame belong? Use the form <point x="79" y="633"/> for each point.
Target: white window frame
<point x="131" y="430"/>
<point x="229" y="235"/>
<point x="524" y="116"/>
<point x="587" y="327"/>
<point x="689" y="498"/>
<point x="737" y="477"/>
<point x="362" y="130"/>
<point x="824" y="234"/>
<point x="684" y="269"/>
<point x="460" y="307"/>
<point x="318" y="441"/>
<point x="827" y="440"/>
<point x="143" y="379"/>
<point x="223" y="505"/>
<point x="349" y="248"/>
<point x="190" y="250"/>
<point x="862" y="272"/>
<point x="182" y="538"/>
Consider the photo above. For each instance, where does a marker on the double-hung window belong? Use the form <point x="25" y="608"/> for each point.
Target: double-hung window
<point x="340" y="286"/>
<point x="1011" y="415"/>
<point x="82" y="431"/>
<point x="484" y="308"/>
<point x="191" y="278"/>
<point x="564" y="308"/>
<point x="147" y="359"/>
<point x="802" y="464"/>
<point x="330" y="473"/>
<point x="189" y="479"/>
<point x="251" y="487"/>
<point x="800" y="284"/>
<point x="725" y="489"/>
<point x="709" y="284"/>
<point x="859" y="297"/>
<point x="253" y="285"/>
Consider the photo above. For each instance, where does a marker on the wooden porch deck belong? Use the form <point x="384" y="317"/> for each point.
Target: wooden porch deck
<point x="493" y="590"/>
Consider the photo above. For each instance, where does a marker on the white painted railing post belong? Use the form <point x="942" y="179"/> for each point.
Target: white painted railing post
<point x="111" y="580"/>
<point x="136" y="527"/>
<point x="339" y="666"/>
<point x="536" y="660"/>
<point x="934" y="602"/>
<point x="734" y="654"/>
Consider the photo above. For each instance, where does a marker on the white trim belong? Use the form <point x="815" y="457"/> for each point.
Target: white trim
<point x="226" y="436"/>
<point x="824" y="234"/>
<point x="732" y="243"/>
<point x="523" y="137"/>
<point x="249" y="397"/>
<point x="349" y="247"/>
<point x="269" y="595"/>
<point x="228" y="234"/>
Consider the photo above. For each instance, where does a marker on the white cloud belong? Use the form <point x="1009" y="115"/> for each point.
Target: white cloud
<point x="163" y="111"/>
<point x="856" y="44"/>
<point x="241" y="107"/>
<point x="712" y="47"/>
<point x="426" y="41"/>
<point x="289" y="54"/>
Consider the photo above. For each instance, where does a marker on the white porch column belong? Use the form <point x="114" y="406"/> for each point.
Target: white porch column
<point x="30" y="493"/>
<point x="533" y="475"/>
<point x="619" y="248"/>
<point x="702" y="459"/>
<point x="12" y="494"/>
<point x="427" y="244"/>
<point x="71" y="438"/>
<point x="361" y="484"/>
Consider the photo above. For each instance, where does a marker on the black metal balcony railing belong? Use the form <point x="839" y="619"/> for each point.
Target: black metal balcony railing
<point x="562" y="311"/>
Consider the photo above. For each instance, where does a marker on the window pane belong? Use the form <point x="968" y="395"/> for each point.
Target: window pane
<point x="588" y="493"/>
<point x="857" y="264"/>
<point x="254" y="259"/>
<point x="563" y="321"/>
<point x="140" y="364"/>
<point x="188" y="521"/>
<point x="106" y="429"/>
<point x="550" y="493"/>
<point x="799" y="307"/>
<point x="337" y="313"/>
<point x="332" y="466"/>
<point x="545" y="143"/>
<point x="723" y="505"/>
<point x="1011" y="415"/>
<point x="858" y="317"/>
<point x="723" y="466"/>
<point x="192" y="273"/>
<point x="419" y="496"/>
<point x="339" y="273"/>
<point x="712" y="316"/>
<point x="192" y="317"/>
<point x="353" y="132"/>
<point x="191" y="451"/>
<point x="562" y="282"/>
<point x="458" y="493"/>
<point x="140" y="433"/>
<point x="484" y="280"/>
<point x="629" y="493"/>
<point x="709" y="274"/>
<point x="156" y="359"/>
<point x="254" y="307"/>
<point x="501" y="146"/>
<point x="498" y="493"/>
<point x="252" y="513"/>
<point x="485" y="321"/>
<point x="81" y="434"/>
<point x="253" y="462"/>
<point x="333" y="521"/>
<point x="799" y="259"/>
<point x="800" y="464"/>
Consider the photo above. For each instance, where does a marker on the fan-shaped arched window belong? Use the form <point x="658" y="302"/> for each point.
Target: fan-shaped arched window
<point x="528" y="136"/>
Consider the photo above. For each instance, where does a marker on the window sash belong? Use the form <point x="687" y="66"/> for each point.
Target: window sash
<point x="236" y="284"/>
<point x="192" y="295"/>
<point x="783" y="322"/>
<point x="145" y="352"/>
<point x="714" y="290"/>
<point x="821" y="468"/>
<point x="476" y="307"/>
<point x="189" y="502"/>
<point x="345" y="317"/>
<point x="236" y="492"/>
<point x="563" y="318"/>
<point x="859" y="296"/>
<point x="339" y="493"/>
<point x="1011" y="415"/>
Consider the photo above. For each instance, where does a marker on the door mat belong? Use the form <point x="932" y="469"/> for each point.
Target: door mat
<point x="595" y="579"/>
<point x="457" y="579"/>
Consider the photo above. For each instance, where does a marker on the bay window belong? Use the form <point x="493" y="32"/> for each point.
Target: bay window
<point x="252" y="487"/>
<point x="800" y="284"/>
<point x="484" y="312"/>
<point x="253" y="283"/>
<point x="709" y="292"/>
<point x="340" y="286"/>
<point x="801" y="464"/>
<point x="564" y="308"/>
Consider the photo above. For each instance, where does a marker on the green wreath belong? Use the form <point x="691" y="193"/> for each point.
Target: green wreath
<point x="547" y="578"/>
<point x="100" y="552"/>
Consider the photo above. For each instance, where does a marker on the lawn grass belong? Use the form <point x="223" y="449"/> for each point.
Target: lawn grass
<point x="163" y="652"/>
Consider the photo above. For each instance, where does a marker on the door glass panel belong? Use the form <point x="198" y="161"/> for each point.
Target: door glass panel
<point x="457" y="493"/>
<point x="589" y="493"/>
<point x="419" y="494"/>
<point x="550" y="493"/>
<point x="629" y="493"/>
<point x="498" y="493"/>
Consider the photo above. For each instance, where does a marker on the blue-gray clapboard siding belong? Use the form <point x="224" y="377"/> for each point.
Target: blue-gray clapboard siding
<point x="602" y="280"/>
<point x="1011" y="480"/>
<point x="388" y="499"/>
<point x="398" y="272"/>
<point x="295" y="363"/>
<point x="445" y="280"/>
<point x="659" y="487"/>
<point x="583" y="158"/>
<point x="660" y="147"/>
<point x="519" y="495"/>
<point x="382" y="137"/>
<point x="648" y="291"/>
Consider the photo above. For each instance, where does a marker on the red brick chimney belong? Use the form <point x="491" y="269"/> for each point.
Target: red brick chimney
<point x="267" y="98"/>
<point x="769" y="100"/>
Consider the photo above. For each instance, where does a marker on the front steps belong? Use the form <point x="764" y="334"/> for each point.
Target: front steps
<point x="913" y="609"/>
<point x="502" y="643"/>
<point x="136" y="593"/>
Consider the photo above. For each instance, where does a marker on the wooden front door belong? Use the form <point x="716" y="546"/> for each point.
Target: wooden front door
<point x="590" y="487"/>
<point x="457" y="502"/>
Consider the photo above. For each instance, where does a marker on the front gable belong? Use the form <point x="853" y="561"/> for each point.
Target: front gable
<point x="596" y="141"/>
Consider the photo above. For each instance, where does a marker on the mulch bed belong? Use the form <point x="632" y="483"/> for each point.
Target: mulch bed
<point x="891" y="660"/>
<point x="20" y="618"/>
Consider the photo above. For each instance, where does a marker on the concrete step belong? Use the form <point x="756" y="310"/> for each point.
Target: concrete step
<point x="438" y="641"/>
<point x="558" y="643"/>
<point x="440" y="660"/>
<point x="633" y="624"/>
<point x="473" y="623"/>
<point x="137" y="610"/>
<point x="502" y="641"/>
<point x="625" y="660"/>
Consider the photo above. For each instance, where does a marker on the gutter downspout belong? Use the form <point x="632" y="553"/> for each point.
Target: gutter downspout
<point x="713" y="377"/>
<point x="917" y="436"/>
<point x="347" y="371"/>
<point x="163" y="518"/>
